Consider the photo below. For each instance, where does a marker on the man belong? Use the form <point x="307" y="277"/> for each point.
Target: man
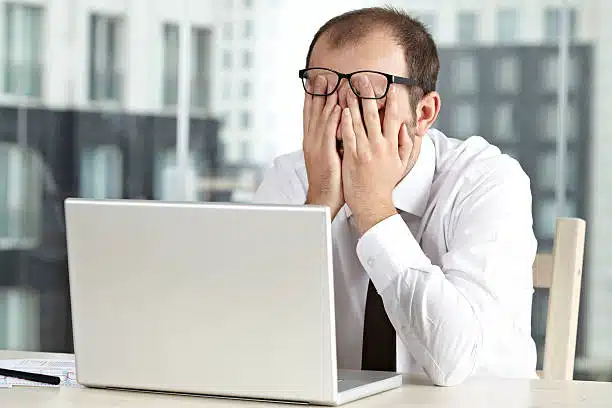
<point x="433" y="233"/>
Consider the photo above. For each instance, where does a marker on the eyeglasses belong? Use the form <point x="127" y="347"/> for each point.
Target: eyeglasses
<point x="379" y="82"/>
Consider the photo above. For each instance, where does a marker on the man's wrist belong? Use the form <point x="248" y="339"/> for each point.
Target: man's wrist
<point x="334" y="208"/>
<point x="368" y="217"/>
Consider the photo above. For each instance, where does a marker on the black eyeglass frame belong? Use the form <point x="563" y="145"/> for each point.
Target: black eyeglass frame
<point x="391" y="79"/>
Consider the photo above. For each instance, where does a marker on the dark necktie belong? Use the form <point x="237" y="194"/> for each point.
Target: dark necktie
<point x="378" y="335"/>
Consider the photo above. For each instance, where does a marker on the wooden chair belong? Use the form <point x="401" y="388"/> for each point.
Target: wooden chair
<point x="561" y="273"/>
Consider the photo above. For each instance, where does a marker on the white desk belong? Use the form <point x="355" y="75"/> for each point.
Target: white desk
<point x="486" y="393"/>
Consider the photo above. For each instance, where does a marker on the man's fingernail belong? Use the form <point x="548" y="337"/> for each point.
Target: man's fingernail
<point x="346" y="112"/>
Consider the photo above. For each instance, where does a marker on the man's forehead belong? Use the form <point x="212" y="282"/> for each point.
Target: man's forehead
<point x="376" y="50"/>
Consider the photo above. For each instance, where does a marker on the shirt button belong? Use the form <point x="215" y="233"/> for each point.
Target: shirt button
<point x="371" y="261"/>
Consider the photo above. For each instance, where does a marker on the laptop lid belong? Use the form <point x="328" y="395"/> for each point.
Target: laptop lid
<point x="207" y="298"/>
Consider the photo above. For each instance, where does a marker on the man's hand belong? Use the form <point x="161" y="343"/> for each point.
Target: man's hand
<point x="323" y="163"/>
<point x="375" y="159"/>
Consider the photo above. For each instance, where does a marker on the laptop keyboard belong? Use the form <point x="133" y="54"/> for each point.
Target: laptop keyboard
<point x="346" y="384"/>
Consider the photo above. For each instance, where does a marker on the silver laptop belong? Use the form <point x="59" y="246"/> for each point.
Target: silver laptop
<point x="226" y="300"/>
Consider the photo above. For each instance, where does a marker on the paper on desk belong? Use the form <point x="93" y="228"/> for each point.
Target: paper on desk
<point x="64" y="369"/>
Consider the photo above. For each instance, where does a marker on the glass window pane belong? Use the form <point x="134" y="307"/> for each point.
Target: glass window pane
<point x="101" y="172"/>
<point x="248" y="28"/>
<point x="507" y="75"/>
<point x="464" y="74"/>
<point x="227" y="90"/>
<point x="468" y="27"/>
<point x="548" y="122"/>
<point x="170" y="61"/>
<point x="247" y="59"/>
<point x="23" y="50"/>
<point x="167" y="179"/>
<point x="547" y="170"/>
<point x="22" y="175"/>
<point x="465" y="120"/>
<point x="546" y="216"/>
<point x="246" y="89"/>
<point x="228" y="31"/>
<point x="549" y="72"/>
<point x="201" y="68"/>
<point x="245" y="120"/>
<point x="105" y="59"/>
<point x="227" y="59"/>
<point x="503" y="123"/>
<point x="507" y="25"/>
<point x="552" y="24"/>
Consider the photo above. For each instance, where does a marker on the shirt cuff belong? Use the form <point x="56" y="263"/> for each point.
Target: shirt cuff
<point x="388" y="249"/>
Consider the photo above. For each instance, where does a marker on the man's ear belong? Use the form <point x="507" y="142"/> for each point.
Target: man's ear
<point x="427" y="112"/>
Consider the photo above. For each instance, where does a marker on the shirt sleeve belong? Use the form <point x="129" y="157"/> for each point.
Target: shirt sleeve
<point x="445" y="314"/>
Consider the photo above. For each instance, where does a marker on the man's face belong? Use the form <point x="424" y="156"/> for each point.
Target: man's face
<point x="378" y="52"/>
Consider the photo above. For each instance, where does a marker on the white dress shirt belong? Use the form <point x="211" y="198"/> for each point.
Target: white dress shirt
<point x="454" y="267"/>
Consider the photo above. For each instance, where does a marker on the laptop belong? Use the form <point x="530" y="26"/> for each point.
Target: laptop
<point x="214" y="299"/>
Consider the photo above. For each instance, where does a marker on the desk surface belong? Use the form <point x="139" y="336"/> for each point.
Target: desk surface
<point x="495" y="393"/>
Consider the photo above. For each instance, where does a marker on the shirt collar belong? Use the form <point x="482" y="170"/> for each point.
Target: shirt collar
<point x="412" y="192"/>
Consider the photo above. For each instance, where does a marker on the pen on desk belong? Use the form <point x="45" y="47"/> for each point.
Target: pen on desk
<point x="23" y="375"/>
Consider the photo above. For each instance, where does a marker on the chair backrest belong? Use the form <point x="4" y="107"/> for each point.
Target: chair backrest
<point x="561" y="273"/>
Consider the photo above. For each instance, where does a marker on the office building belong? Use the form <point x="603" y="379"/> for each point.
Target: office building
<point x="110" y="67"/>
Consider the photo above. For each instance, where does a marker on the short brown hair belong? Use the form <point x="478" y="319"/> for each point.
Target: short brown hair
<point x="419" y="47"/>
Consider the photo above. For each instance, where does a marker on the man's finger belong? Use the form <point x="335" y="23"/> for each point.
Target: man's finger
<point x="370" y="108"/>
<point x="306" y="110"/>
<point x="405" y="145"/>
<point x="348" y="133"/>
<point x="320" y="85"/>
<point x="332" y="126"/>
<point x="361" y="138"/>
<point x="331" y="101"/>
<point x="392" y="122"/>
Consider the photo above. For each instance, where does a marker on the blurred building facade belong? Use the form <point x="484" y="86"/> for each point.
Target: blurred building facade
<point x="91" y="86"/>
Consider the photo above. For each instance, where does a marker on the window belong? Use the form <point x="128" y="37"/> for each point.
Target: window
<point x="464" y="74"/>
<point x="245" y="120"/>
<point x="549" y="72"/>
<point x="170" y="64"/>
<point x="226" y="119"/>
<point x="168" y="181"/>
<point x="227" y="90"/>
<point x="247" y="59"/>
<point x="503" y="122"/>
<point x="201" y="69"/>
<point x="227" y="59"/>
<point x="23" y="48"/>
<point x="247" y="4"/>
<point x="246" y="89"/>
<point x="548" y="122"/>
<point x="507" y="25"/>
<point x="546" y="215"/>
<point x="552" y="24"/>
<point x="105" y="59"/>
<point x="228" y="31"/>
<point x="248" y="29"/>
<point x="547" y="170"/>
<point x="465" y="120"/>
<point x="21" y="192"/>
<point x="246" y="150"/>
<point x="468" y="27"/>
<point x="507" y="75"/>
<point x="101" y="172"/>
